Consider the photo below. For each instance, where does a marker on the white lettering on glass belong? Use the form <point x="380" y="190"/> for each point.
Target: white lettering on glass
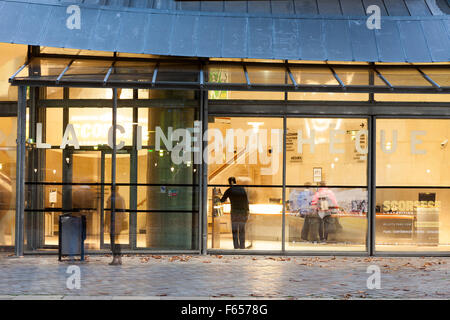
<point x="70" y="131"/>
<point x="334" y="140"/>
<point x="415" y="142"/>
<point x="301" y="141"/>
<point x="39" y="143"/>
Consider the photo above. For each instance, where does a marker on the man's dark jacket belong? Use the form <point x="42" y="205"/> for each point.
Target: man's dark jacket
<point x="239" y="203"/>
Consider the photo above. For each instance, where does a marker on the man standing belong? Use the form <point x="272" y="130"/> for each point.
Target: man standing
<point x="239" y="211"/>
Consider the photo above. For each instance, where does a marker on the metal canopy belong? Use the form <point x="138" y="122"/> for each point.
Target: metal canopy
<point x="232" y="76"/>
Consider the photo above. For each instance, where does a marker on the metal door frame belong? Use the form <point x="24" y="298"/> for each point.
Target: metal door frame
<point x="133" y="196"/>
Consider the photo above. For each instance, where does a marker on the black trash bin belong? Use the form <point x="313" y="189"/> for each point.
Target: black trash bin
<point x="72" y="233"/>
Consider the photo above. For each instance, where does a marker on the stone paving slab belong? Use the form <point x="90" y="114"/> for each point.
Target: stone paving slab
<point x="225" y="277"/>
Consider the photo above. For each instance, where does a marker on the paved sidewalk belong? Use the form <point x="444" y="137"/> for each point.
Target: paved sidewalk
<point x="225" y="277"/>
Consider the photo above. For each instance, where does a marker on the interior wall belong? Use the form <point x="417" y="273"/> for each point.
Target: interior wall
<point x="12" y="57"/>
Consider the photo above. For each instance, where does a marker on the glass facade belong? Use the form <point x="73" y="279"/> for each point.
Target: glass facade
<point x="313" y="183"/>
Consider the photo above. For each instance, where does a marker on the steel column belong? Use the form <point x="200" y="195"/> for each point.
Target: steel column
<point x="371" y="176"/>
<point x="113" y="174"/>
<point x="283" y="230"/>
<point x="204" y="173"/>
<point x="133" y="178"/>
<point x="20" y="169"/>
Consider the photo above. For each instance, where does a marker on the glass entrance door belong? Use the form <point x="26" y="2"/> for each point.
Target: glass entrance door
<point x="89" y="193"/>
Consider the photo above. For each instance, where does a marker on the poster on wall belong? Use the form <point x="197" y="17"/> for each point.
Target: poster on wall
<point x="218" y="76"/>
<point x="317" y="174"/>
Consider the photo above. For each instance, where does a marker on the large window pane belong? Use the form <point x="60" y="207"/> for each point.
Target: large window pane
<point x="167" y="230"/>
<point x="413" y="152"/>
<point x="326" y="149"/>
<point x="167" y="196"/>
<point x="413" y="185"/>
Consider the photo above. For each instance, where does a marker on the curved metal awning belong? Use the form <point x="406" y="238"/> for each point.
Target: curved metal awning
<point x="232" y="75"/>
<point x="412" y="31"/>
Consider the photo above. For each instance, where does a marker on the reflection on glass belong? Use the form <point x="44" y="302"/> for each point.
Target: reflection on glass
<point x="121" y="230"/>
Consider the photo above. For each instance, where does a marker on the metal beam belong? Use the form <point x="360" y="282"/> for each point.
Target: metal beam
<point x="337" y="78"/>
<point x="391" y="88"/>
<point x="431" y="81"/>
<point x="201" y="77"/>
<point x="64" y="71"/>
<point x="247" y="78"/>
<point x="155" y="74"/>
<point x="105" y="80"/>
<point x="18" y="71"/>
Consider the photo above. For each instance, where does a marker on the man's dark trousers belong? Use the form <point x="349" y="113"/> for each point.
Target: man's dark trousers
<point x="238" y="229"/>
